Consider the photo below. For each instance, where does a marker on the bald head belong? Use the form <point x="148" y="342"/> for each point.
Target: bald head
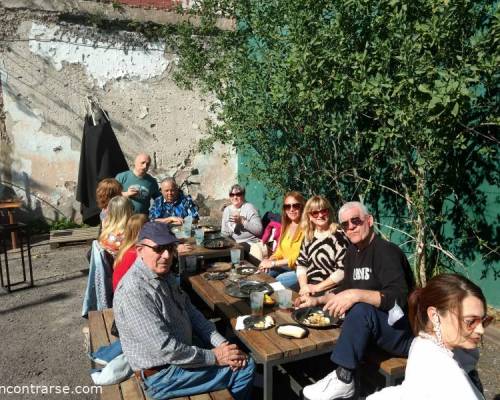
<point x="141" y="164"/>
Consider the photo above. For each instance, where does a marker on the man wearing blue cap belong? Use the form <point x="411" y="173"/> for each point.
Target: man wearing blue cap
<point x="156" y="321"/>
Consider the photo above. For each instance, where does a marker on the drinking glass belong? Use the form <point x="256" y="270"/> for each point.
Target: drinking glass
<point x="235" y="256"/>
<point x="257" y="303"/>
<point x="199" y="235"/>
<point x="285" y="298"/>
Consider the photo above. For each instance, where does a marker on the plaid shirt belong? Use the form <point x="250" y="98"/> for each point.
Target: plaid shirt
<point x="182" y="207"/>
<point x="156" y="321"/>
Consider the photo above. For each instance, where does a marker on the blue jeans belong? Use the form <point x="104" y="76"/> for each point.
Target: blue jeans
<point x="174" y="381"/>
<point x="285" y="275"/>
<point x="365" y="324"/>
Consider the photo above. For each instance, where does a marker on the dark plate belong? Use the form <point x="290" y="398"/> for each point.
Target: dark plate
<point x="215" y="276"/>
<point x="219" y="266"/>
<point x="291" y="337"/>
<point x="214" y="236"/>
<point x="217" y="244"/>
<point x="255" y="286"/>
<point x="243" y="288"/>
<point x="301" y="314"/>
<point x="246" y="270"/>
<point x="210" y="230"/>
<point x="250" y="322"/>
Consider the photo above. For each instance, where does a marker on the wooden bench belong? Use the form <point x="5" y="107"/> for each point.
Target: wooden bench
<point x="390" y="367"/>
<point x="100" y="323"/>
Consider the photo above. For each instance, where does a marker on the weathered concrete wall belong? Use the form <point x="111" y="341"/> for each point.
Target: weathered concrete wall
<point x="47" y="70"/>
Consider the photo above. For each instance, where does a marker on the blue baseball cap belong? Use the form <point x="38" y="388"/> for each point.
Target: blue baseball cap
<point x="158" y="232"/>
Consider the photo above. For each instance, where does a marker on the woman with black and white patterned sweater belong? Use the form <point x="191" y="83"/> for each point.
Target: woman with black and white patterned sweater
<point x="320" y="263"/>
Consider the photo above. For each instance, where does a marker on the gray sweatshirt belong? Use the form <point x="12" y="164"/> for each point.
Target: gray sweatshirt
<point x="251" y="228"/>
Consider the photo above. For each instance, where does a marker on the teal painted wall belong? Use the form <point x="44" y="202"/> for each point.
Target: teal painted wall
<point x="485" y="276"/>
<point x="256" y="193"/>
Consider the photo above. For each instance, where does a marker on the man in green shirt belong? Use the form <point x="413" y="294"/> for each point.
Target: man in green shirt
<point x="138" y="185"/>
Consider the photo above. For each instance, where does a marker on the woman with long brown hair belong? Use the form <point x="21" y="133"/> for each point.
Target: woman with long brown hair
<point x="127" y="254"/>
<point x="320" y="263"/>
<point x="281" y="265"/>
<point x="447" y="315"/>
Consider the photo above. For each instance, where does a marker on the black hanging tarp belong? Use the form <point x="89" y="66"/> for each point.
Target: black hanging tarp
<point x="101" y="157"/>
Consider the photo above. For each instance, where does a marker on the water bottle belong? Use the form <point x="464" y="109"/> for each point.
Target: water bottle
<point x="188" y="223"/>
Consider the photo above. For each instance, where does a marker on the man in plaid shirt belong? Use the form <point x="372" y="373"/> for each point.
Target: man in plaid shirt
<point x="156" y="321"/>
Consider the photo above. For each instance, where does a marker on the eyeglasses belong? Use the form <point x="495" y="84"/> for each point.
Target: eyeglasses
<point x="295" y="206"/>
<point x="356" y="221"/>
<point x="159" y="249"/>
<point x="315" y="214"/>
<point x="471" y="322"/>
<point x="236" y="194"/>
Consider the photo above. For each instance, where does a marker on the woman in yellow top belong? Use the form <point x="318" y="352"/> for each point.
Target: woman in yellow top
<point x="281" y="265"/>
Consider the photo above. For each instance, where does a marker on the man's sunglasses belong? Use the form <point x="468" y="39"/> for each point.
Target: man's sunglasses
<point x="471" y="322"/>
<point x="236" y="194"/>
<point x="356" y="221"/>
<point x="295" y="206"/>
<point x="315" y="214"/>
<point x="159" y="249"/>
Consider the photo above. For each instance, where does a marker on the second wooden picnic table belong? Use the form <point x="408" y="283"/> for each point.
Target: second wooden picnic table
<point x="266" y="347"/>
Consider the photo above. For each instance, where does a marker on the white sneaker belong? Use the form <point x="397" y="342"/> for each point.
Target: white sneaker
<point x="329" y="388"/>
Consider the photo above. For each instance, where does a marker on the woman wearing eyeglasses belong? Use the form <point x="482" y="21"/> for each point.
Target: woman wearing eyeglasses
<point x="320" y="262"/>
<point x="241" y="220"/>
<point x="281" y="265"/>
<point x="448" y="317"/>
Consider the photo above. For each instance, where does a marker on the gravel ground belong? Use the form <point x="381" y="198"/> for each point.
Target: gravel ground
<point x="42" y="342"/>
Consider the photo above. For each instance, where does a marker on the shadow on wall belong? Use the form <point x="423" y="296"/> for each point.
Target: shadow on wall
<point x="31" y="210"/>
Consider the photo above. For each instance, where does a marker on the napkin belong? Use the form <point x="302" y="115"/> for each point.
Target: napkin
<point x="239" y="322"/>
<point x="277" y="286"/>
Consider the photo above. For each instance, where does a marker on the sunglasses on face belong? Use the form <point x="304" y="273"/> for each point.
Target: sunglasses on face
<point x="471" y="322"/>
<point x="295" y="206"/>
<point x="238" y="194"/>
<point x="159" y="249"/>
<point x="356" y="221"/>
<point x="316" y="214"/>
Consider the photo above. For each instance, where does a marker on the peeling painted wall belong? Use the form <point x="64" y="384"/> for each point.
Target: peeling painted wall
<point x="47" y="72"/>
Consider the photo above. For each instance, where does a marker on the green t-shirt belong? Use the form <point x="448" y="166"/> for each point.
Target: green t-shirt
<point x="147" y="186"/>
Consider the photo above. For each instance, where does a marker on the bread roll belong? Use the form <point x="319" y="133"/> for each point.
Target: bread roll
<point x="292" y="331"/>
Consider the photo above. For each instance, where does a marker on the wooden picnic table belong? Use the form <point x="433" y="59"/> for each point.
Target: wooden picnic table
<point x="266" y="347"/>
<point x="200" y="251"/>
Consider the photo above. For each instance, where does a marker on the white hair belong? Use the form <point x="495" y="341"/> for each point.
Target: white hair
<point x="168" y="179"/>
<point x="353" y="204"/>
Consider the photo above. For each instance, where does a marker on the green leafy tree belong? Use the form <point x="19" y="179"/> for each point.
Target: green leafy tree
<point x="392" y="102"/>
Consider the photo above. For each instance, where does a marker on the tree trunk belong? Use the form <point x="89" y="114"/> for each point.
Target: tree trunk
<point x="420" y="259"/>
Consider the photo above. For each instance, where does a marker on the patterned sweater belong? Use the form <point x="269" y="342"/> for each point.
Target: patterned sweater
<point x="320" y="257"/>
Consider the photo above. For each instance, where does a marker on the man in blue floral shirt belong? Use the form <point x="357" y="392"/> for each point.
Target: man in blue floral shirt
<point x="172" y="206"/>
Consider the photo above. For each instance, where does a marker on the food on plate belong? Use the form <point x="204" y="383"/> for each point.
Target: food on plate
<point x="247" y="270"/>
<point x="268" y="300"/>
<point x="292" y="331"/>
<point x="265" y="323"/>
<point x="317" y="319"/>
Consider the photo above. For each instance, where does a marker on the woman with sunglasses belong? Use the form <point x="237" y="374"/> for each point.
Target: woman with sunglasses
<point x="281" y="265"/>
<point x="320" y="262"/>
<point x="448" y="317"/>
<point x="241" y="220"/>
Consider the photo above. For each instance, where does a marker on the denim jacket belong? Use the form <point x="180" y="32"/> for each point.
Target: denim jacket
<point x="99" y="291"/>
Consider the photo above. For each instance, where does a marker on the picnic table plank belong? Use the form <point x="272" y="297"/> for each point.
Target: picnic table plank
<point x="221" y="395"/>
<point x="108" y="319"/>
<point x="203" y="396"/>
<point x="305" y="344"/>
<point x="131" y="389"/>
<point x="98" y="338"/>
<point x="263" y="349"/>
<point x="203" y="251"/>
